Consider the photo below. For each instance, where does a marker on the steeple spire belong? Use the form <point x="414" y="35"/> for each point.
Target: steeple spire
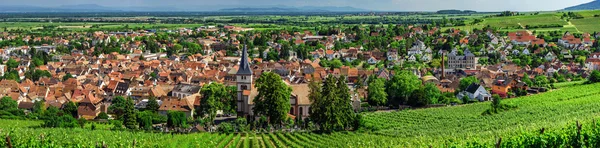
<point x="244" y="65"/>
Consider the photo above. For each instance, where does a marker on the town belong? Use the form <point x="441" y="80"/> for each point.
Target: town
<point x="91" y="69"/>
<point x="290" y="85"/>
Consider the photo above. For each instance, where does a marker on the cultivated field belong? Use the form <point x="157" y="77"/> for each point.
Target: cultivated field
<point x="556" y="111"/>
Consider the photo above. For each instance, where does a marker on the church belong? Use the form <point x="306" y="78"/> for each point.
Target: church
<point x="246" y="92"/>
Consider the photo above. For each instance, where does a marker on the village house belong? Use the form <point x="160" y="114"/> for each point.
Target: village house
<point x="569" y="41"/>
<point x="185" y="90"/>
<point x="475" y="92"/>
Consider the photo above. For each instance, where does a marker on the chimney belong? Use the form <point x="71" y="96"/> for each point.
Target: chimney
<point x="443" y="73"/>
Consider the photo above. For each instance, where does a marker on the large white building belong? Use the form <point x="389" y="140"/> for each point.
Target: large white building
<point x="466" y="61"/>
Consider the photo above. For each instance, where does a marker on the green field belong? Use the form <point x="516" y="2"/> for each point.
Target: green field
<point x="439" y="127"/>
<point x="514" y="21"/>
<point x="86" y="26"/>
<point x="549" y="110"/>
<point x="588" y="24"/>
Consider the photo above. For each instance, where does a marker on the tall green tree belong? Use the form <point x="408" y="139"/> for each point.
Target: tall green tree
<point x="71" y="109"/>
<point x="12" y="64"/>
<point x="176" y="119"/>
<point x="152" y="105"/>
<point x="432" y="93"/>
<point x="465" y="82"/>
<point x="331" y="105"/>
<point x="67" y="76"/>
<point x="541" y="80"/>
<point x="230" y="101"/>
<point x="118" y="106"/>
<point x="129" y="115"/>
<point x="39" y="107"/>
<point x="211" y="100"/>
<point x="273" y="99"/>
<point x="418" y="98"/>
<point x="174" y="50"/>
<point x="145" y="119"/>
<point x="6" y="103"/>
<point x="344" y="104"/>
<point x="527" y="80"/>
<point x="496" y="102"/>
<point x="35" y="75"/>
<point x="400" y="87"/>
<point x="377" y="95"/>
<point x="594" y="77"/>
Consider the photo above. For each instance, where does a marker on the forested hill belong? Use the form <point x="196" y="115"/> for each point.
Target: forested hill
<point x="587" y="6"/>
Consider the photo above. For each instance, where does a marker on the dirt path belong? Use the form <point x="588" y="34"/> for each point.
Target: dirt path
<point x="571" y="25"/>
<point x="268" y="141"/>
<point x="262" y="141"/>
<point x="231" y="141"/>
<point x="528" y="31"/>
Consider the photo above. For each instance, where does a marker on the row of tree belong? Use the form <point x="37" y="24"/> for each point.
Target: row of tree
<point x="404" y="88"/>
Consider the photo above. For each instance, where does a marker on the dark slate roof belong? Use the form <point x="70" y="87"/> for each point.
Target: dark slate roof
<point x="501" y="81"/>
<point x="123" y="85"/>
<point x="521" y="84"/>
<point x="187" y="88"/>
<point x="472" y="88"/>
<point x="244" y="65"/>
<point x="26" y="105"/>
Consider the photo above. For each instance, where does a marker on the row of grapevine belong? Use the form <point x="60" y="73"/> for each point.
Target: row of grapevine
<point x="458" y="126"/>
<point x="465" y="123"/>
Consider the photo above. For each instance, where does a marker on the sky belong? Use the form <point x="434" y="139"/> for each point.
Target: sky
<point x="378" y="5"/>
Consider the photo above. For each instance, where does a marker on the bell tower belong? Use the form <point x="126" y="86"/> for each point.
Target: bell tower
<point x="244" y="84"/>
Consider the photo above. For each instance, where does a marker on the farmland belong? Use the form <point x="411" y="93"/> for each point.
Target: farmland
<point x="589" y="22"/>
<point x="555" y="111"/>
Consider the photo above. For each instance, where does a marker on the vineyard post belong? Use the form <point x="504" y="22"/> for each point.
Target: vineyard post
<point x="578" y="129"/>
<point x="499" y="142"/>
<point x="42" y="138"/>
<point x="104" y="145"/>
<point x="134" y="142"/>
<point x="578" y="133"/>
<point x="8" y="144"/>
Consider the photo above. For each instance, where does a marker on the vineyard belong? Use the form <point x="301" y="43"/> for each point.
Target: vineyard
<point x="28" y="134"/>
<point x="544" y="120"/>
<point x="551" y="110"/>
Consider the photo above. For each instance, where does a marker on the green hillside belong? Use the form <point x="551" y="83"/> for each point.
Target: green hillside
<point x="448" y="126"/>
<point x="589" y="23"/>
<point x="549" y="110"/>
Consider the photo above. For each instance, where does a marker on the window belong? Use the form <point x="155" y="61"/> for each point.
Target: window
<point x="301" y="112"/>
<point x="292" y="110"/>
<point x="244" y="87"/>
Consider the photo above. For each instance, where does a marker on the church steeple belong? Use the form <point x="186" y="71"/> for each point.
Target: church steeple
<point x="244" y="84"/>
<point x="244" y="65"/>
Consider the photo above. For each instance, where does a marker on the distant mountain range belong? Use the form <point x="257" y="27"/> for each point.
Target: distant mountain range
<point x="587" y="6"/>
<point x="220" y="8"/>
<point x="294" y="9"/>
<point x="79" y="8"/>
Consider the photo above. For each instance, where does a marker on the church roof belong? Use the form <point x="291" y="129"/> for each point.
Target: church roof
<point x="244" y="65"/>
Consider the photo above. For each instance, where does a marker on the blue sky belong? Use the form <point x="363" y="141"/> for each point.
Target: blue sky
<point x="383" y="5"/>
